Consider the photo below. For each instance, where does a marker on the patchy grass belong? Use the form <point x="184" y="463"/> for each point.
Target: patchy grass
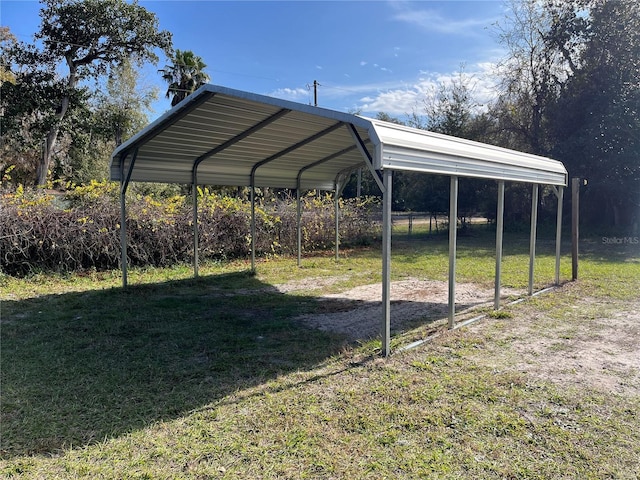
<point x="213" y="378"/>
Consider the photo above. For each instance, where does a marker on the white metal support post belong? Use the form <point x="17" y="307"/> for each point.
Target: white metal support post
<point x="299" y="224"/>
<point x="453" y="231"/>
<point x="532" y="240"/>
<point x="499" y="232"/>
<point x="386" y="263"/>
<point x="253" y="227"/>
<point x="560" y="195"/>
<point x="575" y="226"/>
<point x="340" y="183"/>
<point x="124" y="184"/>
<point x="196" y="240"/>
<point x="123" y="232"/>
<point x="336" y="212"/>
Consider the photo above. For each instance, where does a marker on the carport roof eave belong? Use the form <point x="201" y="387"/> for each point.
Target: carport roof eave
<point x="423" y="149"/>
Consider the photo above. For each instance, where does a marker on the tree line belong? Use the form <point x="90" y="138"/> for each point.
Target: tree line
<point x="569" y="88"/>
<point x="63" y="126"/>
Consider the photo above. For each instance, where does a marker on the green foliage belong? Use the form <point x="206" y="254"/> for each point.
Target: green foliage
<point x="80" y="40"/>
<point x="596" y="118"/>
<point x="570" y="90"/>
<point x="184" y="76"/>
<point x="96" y="34"/>
<point x="83" y="231"/>
<point x="6" y="40"/>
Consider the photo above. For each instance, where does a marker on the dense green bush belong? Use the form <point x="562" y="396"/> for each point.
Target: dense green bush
<point x="81" y="229"/>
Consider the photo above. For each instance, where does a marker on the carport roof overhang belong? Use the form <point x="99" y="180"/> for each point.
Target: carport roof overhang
<point x="221" y="136"/>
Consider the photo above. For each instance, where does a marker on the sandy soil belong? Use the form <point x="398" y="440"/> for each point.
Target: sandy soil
<point x="602" y="352"/>
<point x="357" y="313"/>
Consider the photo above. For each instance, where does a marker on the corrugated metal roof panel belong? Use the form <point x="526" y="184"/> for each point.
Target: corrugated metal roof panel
<point x="229" y="134"/>
<point x="404" y="148"/>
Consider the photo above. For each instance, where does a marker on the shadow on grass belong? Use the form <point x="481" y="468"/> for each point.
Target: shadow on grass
<point x="361" y="320"/>
<point x="610" y="249"/>
<point x="81" y="367"/>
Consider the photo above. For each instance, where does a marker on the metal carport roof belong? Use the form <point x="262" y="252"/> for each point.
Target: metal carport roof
<point x="221" y="136"/>
<point x="228" y="134"/>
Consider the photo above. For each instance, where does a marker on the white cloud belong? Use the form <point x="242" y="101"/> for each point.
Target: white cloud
<point x="431" y="20"/>
<point x="400" y="100"/>
<point x="294" y="94"/>
<point x="363" y="63"/>
<point x="397" y="98"/>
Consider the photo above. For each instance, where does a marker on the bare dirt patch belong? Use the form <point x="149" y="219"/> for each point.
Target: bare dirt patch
<point x="599" y="351"/>
<point x="357" y="313"/>
<point x="310" y="283"/>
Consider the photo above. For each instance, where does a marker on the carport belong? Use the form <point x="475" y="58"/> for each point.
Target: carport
<point x="221" y="136"/>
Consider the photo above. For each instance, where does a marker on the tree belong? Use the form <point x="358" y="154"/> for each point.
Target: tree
<point x="571" y="90"/>
<point x="121" y="110"/>
<point x="28" y="104"/>
<point x="451" y="110"/>
<point x="596" y="119"/>
<point x="87" y="37"/>
<point x="116" y="112"/>
<point x="7" y="40"/>
<point x="184" y="76"/>
<point x="531" y="74"/>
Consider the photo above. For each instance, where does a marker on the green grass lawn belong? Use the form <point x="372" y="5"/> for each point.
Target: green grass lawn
<point x="212" y="377"/>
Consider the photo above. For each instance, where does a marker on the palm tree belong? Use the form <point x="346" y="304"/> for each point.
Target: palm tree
<point x="184" y="76"/>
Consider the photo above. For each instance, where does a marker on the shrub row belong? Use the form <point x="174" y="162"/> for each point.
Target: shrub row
<point x="81" y="230"/>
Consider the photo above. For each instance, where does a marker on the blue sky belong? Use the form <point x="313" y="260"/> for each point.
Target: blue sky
<point x="367" y="56"/>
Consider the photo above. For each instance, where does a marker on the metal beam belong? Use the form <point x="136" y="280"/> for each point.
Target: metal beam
<point x="453" y="231"/>
<point x="560" y="195"/>
<point x="299" y="224"/>
<point x="336" y="214"/>
<point x="194" y="172"/>
<point x="196" y="246"/>
<point x="124" y="184"/>
<point x="367" y="156"/>
<point x="339" y="187"/>
<point x="292" y="148"/>
<point x="253" y="228"/>
<point x="252" y="182"/>
<point x="532" y="241"/>
<point x="386" y="263"/>
<point x="499" y="231"/>
<point x="325" y="159"/>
